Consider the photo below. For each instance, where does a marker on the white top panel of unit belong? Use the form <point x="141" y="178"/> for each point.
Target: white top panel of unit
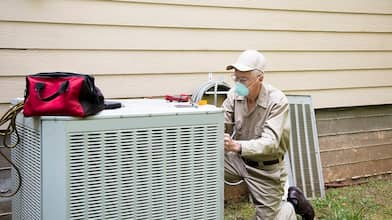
<point x="146" y="107"/>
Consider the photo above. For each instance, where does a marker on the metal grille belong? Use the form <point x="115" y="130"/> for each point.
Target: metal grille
<point x="27" y="157"/>
<point x="304" y="151"/>
<point x="154" y="173"/>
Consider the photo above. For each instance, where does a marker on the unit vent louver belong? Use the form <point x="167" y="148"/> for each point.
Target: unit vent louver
<point x="27" y="157"/>
<point x="156" y="165"/>
<point x="304" y="152"/>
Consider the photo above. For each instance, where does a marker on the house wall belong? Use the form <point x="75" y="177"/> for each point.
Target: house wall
<point x="338" y="52"/>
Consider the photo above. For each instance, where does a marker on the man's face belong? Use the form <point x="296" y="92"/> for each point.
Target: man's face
<point x="249" y="79"/>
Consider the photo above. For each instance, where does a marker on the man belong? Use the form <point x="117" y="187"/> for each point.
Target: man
<point x="256" y="138"/>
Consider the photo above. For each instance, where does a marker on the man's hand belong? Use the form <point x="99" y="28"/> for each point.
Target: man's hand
<point x="230" y="144"/>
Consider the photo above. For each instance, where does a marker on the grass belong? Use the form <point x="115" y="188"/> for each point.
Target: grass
<point x="372" y="200"/>
<point x="239" y="211"/>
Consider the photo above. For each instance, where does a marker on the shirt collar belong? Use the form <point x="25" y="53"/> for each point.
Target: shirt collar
<point x="262" y="99"/>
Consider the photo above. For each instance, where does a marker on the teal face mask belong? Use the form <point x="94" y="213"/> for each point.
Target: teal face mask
<point x="241" y="89"/>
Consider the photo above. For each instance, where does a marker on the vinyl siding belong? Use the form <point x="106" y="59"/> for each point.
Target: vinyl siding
<point x="339" y="53"/>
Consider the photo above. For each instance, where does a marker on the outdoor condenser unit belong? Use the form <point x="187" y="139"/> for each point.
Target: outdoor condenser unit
<point x="147" y="160"/>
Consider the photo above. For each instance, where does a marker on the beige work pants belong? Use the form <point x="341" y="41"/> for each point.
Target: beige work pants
<point x="265" y="184"/>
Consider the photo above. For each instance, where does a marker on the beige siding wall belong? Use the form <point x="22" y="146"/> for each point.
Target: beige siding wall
<point x="340" y="53"/>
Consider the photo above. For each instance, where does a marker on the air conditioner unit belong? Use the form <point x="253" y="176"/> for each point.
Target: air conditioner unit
<point x="147" y="160"/>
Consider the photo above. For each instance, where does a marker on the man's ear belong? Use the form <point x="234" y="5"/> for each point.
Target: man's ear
<point x="260" y="77"/>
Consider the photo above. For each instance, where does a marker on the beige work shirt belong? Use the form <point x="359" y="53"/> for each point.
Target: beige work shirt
<point x="264" y="131"/>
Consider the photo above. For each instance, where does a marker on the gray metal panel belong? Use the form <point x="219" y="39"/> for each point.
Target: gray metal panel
<point x="132" y="108"/>
<point x="304" y="152"/>
<point x="54" y="150"/>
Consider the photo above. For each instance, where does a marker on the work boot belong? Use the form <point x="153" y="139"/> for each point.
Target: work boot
<point x="301" y="205"/>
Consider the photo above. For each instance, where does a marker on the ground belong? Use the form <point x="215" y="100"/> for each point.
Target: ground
<point x="370" y="200"/>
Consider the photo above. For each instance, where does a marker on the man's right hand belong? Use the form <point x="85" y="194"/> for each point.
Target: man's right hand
<point x="230" y="144"/>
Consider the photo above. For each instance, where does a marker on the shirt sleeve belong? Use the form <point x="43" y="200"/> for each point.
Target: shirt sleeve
<point x="228" y="106"/>
<point x="276" y="127"/>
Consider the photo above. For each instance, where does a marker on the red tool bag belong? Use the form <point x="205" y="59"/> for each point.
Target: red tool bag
<point x="61" y="93"/>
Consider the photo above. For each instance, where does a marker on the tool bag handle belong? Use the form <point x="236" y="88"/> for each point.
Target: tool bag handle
<point x="41" y="86"/>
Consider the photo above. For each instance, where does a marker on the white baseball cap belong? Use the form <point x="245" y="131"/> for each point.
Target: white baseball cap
<point x="249" y="60"/>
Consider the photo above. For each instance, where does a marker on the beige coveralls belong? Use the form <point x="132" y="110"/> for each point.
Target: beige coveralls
<point x="264" y="135"/>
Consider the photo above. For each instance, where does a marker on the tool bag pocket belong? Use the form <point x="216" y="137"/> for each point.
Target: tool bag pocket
<point x="62" y="94"/>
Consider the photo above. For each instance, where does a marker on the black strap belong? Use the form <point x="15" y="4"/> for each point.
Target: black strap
<point x="256" y="164"/>
<point x="270" y="162"/>
<point x="40" y="86"/>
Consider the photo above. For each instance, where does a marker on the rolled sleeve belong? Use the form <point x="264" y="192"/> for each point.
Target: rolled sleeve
<point x="228" y="107"/>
